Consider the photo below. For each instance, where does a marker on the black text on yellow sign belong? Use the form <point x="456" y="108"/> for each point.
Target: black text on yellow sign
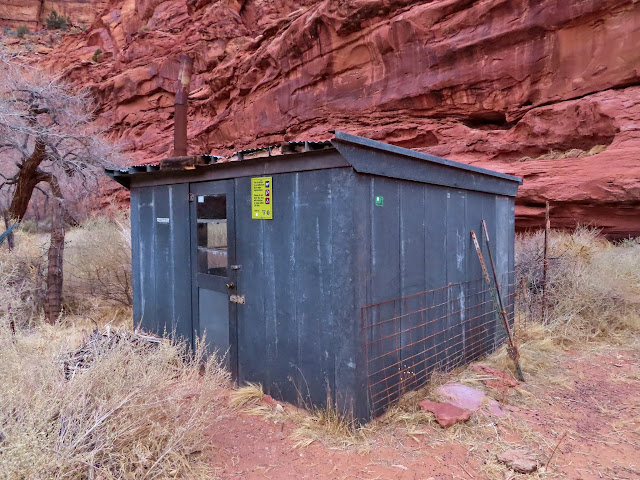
<point x="262" y="198"/>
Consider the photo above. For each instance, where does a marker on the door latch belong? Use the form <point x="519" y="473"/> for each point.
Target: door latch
<point x="192" y="197"/>
<point x="230" y="285"/>
<point x="236" y="267"/>
<point x="236" y="299"/>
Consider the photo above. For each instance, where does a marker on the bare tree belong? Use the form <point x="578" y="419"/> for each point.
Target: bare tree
<point x="47" y="136"/>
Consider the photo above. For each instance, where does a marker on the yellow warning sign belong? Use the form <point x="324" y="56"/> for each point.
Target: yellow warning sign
<point x="262" y="198"/>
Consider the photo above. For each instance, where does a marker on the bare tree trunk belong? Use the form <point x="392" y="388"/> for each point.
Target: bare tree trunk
<point x="7" y="224"/>
<point x="28" y="177"/>
<point x="53" y="299"/>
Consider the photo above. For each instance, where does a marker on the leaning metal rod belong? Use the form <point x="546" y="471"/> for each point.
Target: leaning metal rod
<point x="512" y="349"/>
<point x="493" y="267"/>
<point x="516" y="354"/>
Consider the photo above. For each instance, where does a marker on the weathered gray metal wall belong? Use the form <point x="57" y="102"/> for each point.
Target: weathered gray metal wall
<point x="161" y="259"/>
<point x="298" y="327"/>
<point x="419" y="240"/>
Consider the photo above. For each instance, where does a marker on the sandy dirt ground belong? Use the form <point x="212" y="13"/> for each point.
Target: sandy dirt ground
<point x="584" y="409"/>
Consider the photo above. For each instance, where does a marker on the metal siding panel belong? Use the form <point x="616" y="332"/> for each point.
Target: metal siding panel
<point x="251" y="283"/>
<point x="504" y="255"/>
<point x="164" y="262"/>
<point x="436" y="248"/>
<point x="147" y="252"/>
<point x="347" y="344"/>
<point x="181" y="261"/>
<point x="385" y="284"/>
<point x="475" y="321"/>
<point x="313" y="244"/>
<point x="412" y="278"/>
<point x="361" y="214"/>
<point x="489" y="215"/>
<point x="456" y="255"/>
<point x="280" y="265"/>
<point x="136" y="273"/>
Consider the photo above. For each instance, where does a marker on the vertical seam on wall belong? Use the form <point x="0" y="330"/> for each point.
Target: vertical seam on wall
<point x="332" y="385"/>
<point x="174" y="316"/>
<point x="152" y="256"/>
<point x="296" y="211"/>
<point x="401" y="266"/>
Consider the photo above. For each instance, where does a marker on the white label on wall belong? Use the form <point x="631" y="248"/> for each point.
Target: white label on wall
<point x="162" y="220"/>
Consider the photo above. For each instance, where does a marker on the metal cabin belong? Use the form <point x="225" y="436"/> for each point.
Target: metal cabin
<point x="340" y="271"/>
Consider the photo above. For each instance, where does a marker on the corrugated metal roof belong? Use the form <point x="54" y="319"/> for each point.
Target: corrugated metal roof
<point x="284" y="148"/>
<point x="288" y="148"/>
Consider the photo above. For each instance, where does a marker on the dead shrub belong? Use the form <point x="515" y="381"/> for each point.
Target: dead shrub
<point x="98" y="264"/>
<point x="593" y="286"/>
<point x="134" y="412"/>
<point x="22" y="279"/>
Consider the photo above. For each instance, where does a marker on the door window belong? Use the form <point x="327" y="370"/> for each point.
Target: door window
<point x="211" y="214"/>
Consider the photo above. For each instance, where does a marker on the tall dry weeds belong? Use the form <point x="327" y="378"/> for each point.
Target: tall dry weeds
<point x="97" y="273"/>
<point x="136" y="412"/>
<point x="22" y="279"/>
<point x="593" y="285"/>
<point x="98" y="263"/>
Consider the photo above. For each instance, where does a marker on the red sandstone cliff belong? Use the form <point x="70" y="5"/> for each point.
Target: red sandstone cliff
<point x="32" y="13"/>
<point x="486" y="82"/>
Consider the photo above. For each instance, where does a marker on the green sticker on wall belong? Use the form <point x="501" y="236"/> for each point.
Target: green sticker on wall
<point x="379" y="200"/>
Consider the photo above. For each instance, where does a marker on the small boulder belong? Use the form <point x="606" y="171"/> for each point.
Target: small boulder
<point x="518" y="460"/>
<point x="445" y="413"/>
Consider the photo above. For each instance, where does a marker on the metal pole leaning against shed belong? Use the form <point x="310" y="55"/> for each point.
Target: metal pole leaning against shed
<point x="512" y="349"/>
<point x="181" y="105"/>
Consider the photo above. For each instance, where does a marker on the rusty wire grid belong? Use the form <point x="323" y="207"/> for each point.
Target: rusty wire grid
<point x="408" y="338"/>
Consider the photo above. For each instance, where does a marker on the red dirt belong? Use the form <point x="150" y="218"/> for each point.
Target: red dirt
<point x="598" y="409"/>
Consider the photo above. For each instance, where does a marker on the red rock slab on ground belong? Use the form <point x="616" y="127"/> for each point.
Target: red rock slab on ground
<point x="500" y="380"/>
<point x="446" y="413"/>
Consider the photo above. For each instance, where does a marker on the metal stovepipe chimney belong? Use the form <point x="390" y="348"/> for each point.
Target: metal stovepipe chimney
<point x="181" y="105"/>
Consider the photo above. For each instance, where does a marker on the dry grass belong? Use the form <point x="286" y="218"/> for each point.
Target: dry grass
<point x="571" y="153"/>
<point x="97" y="275"/>
<point x="136" y="412"/>
<point x="331" y="428"/>
<point x="593" y="285"/>
<point x="327" y="425"/>
<point x="98" y="264"/>
<point x="250" y="394"/>
<point x="22" y="285"/>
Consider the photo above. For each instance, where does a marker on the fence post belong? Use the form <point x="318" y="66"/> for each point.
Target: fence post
<point x="545" y="264"/>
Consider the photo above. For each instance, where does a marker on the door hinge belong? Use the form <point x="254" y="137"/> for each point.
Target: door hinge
<point x="236" y="267"/>
<point x="236" y="298"/>
<point x="192" y="197"/>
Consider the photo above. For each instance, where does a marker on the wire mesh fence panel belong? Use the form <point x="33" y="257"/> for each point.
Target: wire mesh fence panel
<point x="408" y="338"/>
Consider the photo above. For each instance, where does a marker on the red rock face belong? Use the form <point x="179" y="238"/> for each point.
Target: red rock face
<point x="487" y="83"/>
<point x="33" y="13"/>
